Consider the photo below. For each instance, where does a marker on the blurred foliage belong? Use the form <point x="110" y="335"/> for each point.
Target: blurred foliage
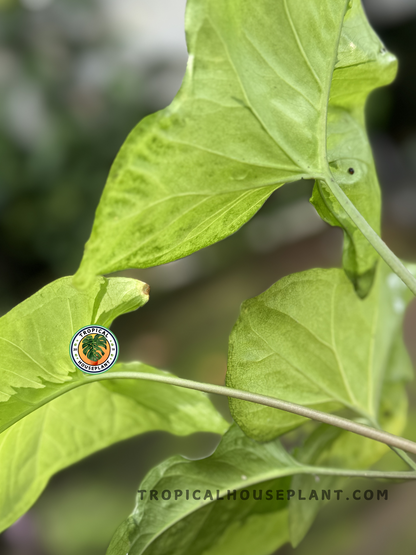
<point x="65" y="108"/>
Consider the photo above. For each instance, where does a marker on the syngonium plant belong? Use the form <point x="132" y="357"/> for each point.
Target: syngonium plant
<point x="274" y="92"/>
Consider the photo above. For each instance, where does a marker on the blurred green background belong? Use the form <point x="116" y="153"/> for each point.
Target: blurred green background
<point x="75" y="77"/>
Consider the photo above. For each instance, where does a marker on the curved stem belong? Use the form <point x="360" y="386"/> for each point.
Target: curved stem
<point x="372" y="237"/>
<point x="326" y="418"/>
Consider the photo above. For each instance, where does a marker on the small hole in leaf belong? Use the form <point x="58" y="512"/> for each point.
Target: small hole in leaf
<point x="351" y="171"/>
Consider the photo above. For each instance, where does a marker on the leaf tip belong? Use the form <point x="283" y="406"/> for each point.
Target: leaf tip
<point x="146" y="290"/>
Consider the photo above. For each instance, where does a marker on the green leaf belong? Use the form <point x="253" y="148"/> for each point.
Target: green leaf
<point x="41" y="429"/>
<point x="211" y="526"/>
<point x="31" y="373"/>
<point x="178" y="524"/>
<point x="86" y="420"/>
<point x="311" y="340"/>
<point x="330" y="446"/>
<point x="176" y="409"/>
<point x="250" y="116"/>
<point x="362" y="65"/>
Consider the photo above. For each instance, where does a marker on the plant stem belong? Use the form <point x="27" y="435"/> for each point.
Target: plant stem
<point x="404" y="456"/>
<point x="372" y="237"/>
<point x="391" y="475"/>
<point x="326" y="418"/>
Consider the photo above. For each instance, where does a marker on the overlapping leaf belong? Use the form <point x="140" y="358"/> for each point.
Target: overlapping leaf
<point x="86" y="420"/>
<point x="251" y="115"/>
<point x="362" y="64"/>
<point x="259" y="517"/>
<point x="330" y="446"/>
<point x="211" y="526"/>
<point x="311" y="340"/>
<point x="45" y="425"/>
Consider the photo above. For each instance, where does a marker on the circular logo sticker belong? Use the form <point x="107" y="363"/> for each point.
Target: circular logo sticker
<point x="94" y="349"/>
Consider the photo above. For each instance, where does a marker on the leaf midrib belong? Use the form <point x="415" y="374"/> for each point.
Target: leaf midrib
<point x="61" y="391"/>
<point x="249" y="104"/>
<point x="326" y="105"/>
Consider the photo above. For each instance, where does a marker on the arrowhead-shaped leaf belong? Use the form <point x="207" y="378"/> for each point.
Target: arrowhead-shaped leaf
<point x="311" y="340"/>
<point x="250" y="116"/>
<point x="48" y="421"/>
<point x="211" y="526"/>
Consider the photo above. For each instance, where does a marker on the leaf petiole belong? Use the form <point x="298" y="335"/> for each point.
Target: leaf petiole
<point x="391" y="475"/>
<point x="372" y="237"/>
<point x="320" y="416"/>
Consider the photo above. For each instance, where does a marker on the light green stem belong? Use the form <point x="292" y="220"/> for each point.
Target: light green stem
<point x="405" y="457"/>
<point x="326" y="418"/>
<point x="399" y="452"/>
<point x="372" y="237"/>
<point x="391" y="475"/>
<point x="395" y="442"/>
